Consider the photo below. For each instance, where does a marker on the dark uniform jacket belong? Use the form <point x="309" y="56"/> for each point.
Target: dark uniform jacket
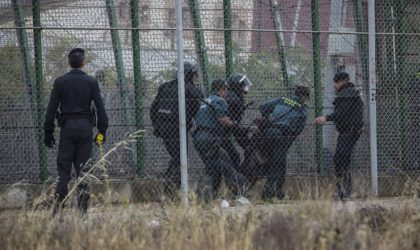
<point x="236" y="105"/>
<point x="164" y="109"/>
<point x="285" y="114"/>
<point x="74" y="93"/>
<point x="348" y="110"/>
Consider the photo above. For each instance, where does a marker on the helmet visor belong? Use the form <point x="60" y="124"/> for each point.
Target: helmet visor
<point x="246" y="83"/>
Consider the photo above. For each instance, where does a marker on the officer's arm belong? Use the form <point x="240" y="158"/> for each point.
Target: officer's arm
<point x="102" y="117"/>
<point x="236" y="109"/>
<point x="154" y="107"/>
<point x="297" y="124"/>
<point x="268" y="107"/>
<point x="220" y="111"/>
<point x="226" y="121"/>
<point x="52" y="108"/>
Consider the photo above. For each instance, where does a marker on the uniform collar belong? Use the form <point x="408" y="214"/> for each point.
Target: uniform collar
<point x="76" y="71"/>
<point x="348" y="85"/>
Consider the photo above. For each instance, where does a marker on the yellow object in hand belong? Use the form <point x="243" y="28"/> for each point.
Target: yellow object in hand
<point x="100" y="139"/>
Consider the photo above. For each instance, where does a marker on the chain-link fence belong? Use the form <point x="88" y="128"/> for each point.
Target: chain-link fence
<point x="277" y="44"/>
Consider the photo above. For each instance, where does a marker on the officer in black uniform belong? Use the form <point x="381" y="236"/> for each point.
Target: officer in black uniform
<point x="73" y="93"/>
<point x="165" y="120"/>
<point x="348" y="119"/>
<point x="238" y="85"/>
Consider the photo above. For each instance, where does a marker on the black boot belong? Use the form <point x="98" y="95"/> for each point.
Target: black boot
<point x="268" y="193"/>
<point x="83" y="198"/>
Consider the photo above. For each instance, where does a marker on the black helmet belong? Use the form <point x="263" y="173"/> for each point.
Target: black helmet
<point x="190" y="69"/>
<point x="238" y="81"/>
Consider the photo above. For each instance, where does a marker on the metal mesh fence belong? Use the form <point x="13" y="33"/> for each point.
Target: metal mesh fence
<point x="275" y="43"/>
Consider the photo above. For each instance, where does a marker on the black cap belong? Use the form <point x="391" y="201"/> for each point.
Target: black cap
<point x="341" y="76"/>
<point x="76" y="50"/>
<point x="218" y="84"/>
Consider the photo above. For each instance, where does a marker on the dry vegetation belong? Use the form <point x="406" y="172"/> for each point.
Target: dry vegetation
<point x="303" y="225"/>
<point x="312" y="224"/>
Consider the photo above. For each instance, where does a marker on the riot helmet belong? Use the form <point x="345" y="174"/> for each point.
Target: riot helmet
<point x="190" y="69"/>
<point x="237" y="82"/>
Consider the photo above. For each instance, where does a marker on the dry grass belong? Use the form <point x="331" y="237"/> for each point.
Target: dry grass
<point x="304" y="225"/>
<point x="311" y="224"/>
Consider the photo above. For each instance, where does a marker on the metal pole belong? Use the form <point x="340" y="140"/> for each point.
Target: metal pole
<point x="372" y="97"/>
<point x="200" y="44"/>
<point x="317" y="83"/>
<point x="275" y="12"/>
<point x="227" y="14"/>
<point x="39" y="80"/>
<point x="27" y="69"/>
<point x="181" y="103"/>
<point x="401" y="69"/>
<point x="122" y="81"/>
<point x="138" y="98"/>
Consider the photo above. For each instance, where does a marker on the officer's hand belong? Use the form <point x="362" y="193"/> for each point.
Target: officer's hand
<point x="100" y="138"/>
<point x="320" y="120"/>
<point x="234" y="125"/>
<point x="258" y="121"/>
<point x="49" y="140"/>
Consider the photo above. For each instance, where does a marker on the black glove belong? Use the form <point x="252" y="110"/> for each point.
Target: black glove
<point x="49" y="140"/>
<point x="100" y="138"/>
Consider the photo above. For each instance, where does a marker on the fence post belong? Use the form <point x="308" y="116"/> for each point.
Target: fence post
<point x="27" y="71"/>
<point x="135" y="36"/>
<point x="372" y="97"/>
<point x="181" y="103"/>
<point x="39" y="80"/>
<point x="200" y="44"/>
<point x="317" y="82"/>
<point x="402" y="76"/>
<point x="275" y="12"/>
<point x="122" y="81"/>
<point x="227" y="16"/>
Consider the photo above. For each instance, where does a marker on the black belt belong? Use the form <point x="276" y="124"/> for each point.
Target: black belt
<point x="76" y="116"/>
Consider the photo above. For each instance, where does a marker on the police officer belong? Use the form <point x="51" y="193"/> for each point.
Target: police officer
<point x="212" y="121"/>
<point x="165" y="119"/>
<point x="283" y="119"/>
<point x="73" y="93"/>
<point x="348" y="120"/>
<point x="238" y="85"/>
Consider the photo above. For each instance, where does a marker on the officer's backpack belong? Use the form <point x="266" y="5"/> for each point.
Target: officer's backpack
<point x="164" y="109"/>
